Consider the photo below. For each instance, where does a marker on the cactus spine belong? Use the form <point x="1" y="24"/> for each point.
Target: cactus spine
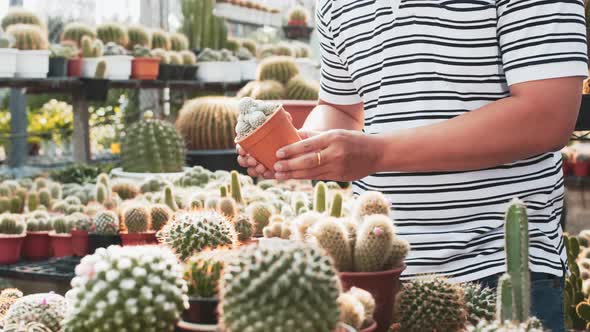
<point x="178" y="42"/>
<point x="320" y="199"/>
<point x="160" y="39"/>
<point x="138" y="35"/>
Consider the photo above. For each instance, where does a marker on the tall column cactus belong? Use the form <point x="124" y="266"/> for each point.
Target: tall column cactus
<point x="320" y="200"/>
<point x="236" y="191"/>
<point x="203" y="29"/>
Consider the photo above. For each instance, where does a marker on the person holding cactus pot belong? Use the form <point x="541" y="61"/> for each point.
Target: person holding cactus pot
<point x="450" y="110"/>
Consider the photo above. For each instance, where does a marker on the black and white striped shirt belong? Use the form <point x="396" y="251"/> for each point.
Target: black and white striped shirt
<point x="418" y="62"/>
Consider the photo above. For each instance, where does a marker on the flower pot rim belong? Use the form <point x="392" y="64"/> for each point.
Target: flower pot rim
<point x="12" y="236"/>
<point x="60" y="235"/>
<point x="8" y="50"/>
<point x="79" y="231"/>
<point x="146" y="59"/>
<point x="98" y="234"/>
<point x="293" y="102"/>
<point x="397" y="270"/>
<point x="197" y="327"/>
<point x="274" y="114"/>
<point x="35" y="52"/>
<point x="38" y="232"/>
<point x="137" y="233"/>
<point x="121" y="57"/>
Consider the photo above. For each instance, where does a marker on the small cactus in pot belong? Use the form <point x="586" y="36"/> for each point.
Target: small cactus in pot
<point x="12" y="235"/>
<point x="106" y="231"/>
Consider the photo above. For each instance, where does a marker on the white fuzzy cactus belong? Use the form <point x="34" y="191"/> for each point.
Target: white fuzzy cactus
<point x="253" y="113"/>
<point x="48" y="309"/>
<point x="126" y="289"/>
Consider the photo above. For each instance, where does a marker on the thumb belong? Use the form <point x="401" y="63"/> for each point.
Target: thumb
<point x="305" y="134"/>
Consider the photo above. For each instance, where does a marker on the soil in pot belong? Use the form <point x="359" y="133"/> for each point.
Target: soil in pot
<point x="61" y="245"/>
<point x="58" y="67"/>
<point x="145" y="68"/>
<point x="37" y="246"/>
<point x="201" y="311"/>
<point x="276" y="132"/>
<point x="96" y="89"/>
<point x="75" y="67"/>
<point x="79" y="243"/>
<point x="190" y="73"/>
<point x="96" y="241"/>
<point x="10" y="248"/>
<point x="383" y="285"/>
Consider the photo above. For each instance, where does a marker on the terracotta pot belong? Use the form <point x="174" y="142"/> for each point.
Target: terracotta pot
<point x="10" y="248"/>
<point x="75" y="67"/>
<point x="201" y="311"/>
<point x="383" y="285"/>
<point x="299" y="110"/>
<point x="371" y="328"/>
<point x="145" y="68"/>
<point x="277" y="131"/>
<point x="37" y="246"/>
<point x="133" y="239"/>
<point x="79" y="243"/>
<point x="581" y="168"/>
<point x="96" y="241"/>
<point x="61" y="245"/>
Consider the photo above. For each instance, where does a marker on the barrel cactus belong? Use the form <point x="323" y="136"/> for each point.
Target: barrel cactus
<point x="126" y="189"/>
<point x="272" y="288"/>
<point x="178" y="42"/>
<point x="136" y="219"/>
<point x="47" y="308"/>
<point x="75" y="31"/>
<point x="259" y="214"/>
<point x="300" y="89"/>
<point x="160" y="39"/>
<point x="480" y="301"/>
<point x="268" y="90"/>
<point x="430" y="303"/>
<point x="28" y="37"/>
<point x="126" y="289"/>
<point x="20" y="16"/>
<point x="298" y="16"/>
<point x="188" y="58"/>
<point x="152" y="146"/>
<point x="208" y="123"/>
<point x="160" y="214"/>
<point x="112" y="32"/>
<point x="11" y="224"/>
<point x="91" y="48"/>
<point x="80" y="221"/>
<point x="190" y="232"/>
<point x="243" y="227"/>
<point x="106" y="223"/>
<point x="278" y="68"/>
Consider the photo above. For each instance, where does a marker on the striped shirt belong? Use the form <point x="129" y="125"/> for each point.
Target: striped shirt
<point x="418" y="62"/>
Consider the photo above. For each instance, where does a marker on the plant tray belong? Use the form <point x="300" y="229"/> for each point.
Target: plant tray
<point x="56" y="269"/>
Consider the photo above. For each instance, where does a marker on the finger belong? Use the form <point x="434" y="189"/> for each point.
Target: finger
<point x="268" y="175"/>
<point x="315" y="143"/>
<point x="242" y="161"/>
<point x="313" y="174"/>
<point x="241" y="151"/>
<point x="251" y="161"/>
<point x="260" y="169"/>
<point x="304" y="161"/>
<point x="252" y="172"/>
<point x="304" y="134"/>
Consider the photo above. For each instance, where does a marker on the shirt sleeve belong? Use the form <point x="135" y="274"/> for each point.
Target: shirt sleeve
<point x="542" y="39"/>
<point x="336" y="85"/>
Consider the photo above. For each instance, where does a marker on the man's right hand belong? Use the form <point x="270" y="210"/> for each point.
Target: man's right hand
<point x="255" y="169"/>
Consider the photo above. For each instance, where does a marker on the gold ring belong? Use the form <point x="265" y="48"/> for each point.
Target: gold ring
<point x="319" y="154"/>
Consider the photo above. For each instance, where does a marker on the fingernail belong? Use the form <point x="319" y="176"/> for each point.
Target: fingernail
<point x="280" y="154"/>
<point x="278" y="167"/>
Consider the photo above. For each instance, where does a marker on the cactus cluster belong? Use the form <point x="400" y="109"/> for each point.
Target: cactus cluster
<point x="356" y="308"/>
<point x="244" y="228"/>
<point x="137" y="35"/>
<point x="153" y="184"/>
<point x="80" y="221"/>
<point x="28" y="37"/>
<point x="203" y="29"/>
<point x="272" y="288"/>
<point x="480" y="302"/>
<point x="203" y="272"/>
<point x="126" y="189"/>
<point x="252" y="114"/>
<point x="244" y="54"/>
<point x="39" y="221"/>
<point x="75" y="31"/>
<point x="62" y="225"/>
<point x="279" y="229"/>
<point x="208" y="123"/>
<point x="126" y="289"/>
<point x="210" y="55"/>
<point x="91" y="48"/>
<point x="152" y="146"/>
<point x="11" y="224"/>
<point x="47" y="309"/>
<point x="112" y="33"/>
<point x="190" y="232"/>
<point x="106" y="223"/>
<point x="573" y="290"/>
<point x="259" y="214"/>
<point x="112" y="48"/>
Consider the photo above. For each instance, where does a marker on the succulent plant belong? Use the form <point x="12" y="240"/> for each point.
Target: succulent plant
<point x="112" y="33"/>
<point x="300" y="89"/>
<point x="371" y="202"/>
<point x="259" y="214"/>
<point x="11" y="224"/>
<point x="203" y="272"/>
<point x="106" y="223"/>
<point x="21" y="16"/>
<point x="75" y="31"/>
<point x="160" y="214"/>
<point x="480" y="301"/>
<point x="178" y="42"/>
<point x="201" y="26"/>
<point x="430" y="303"/>
<point x="126" y="289"/>
<point x="126" y="189"/>
<point x="170" y="199"/>
<point x="33" y="201"/>
<point x="175" y="58"/>
<point x="276" y="279"/>
<point x="227" y="206"/>
<point x="48" y="309"/>
<point x="160" y="39"/>
<point x="61" y="225"/>
<point x="320" y="201"/>
<point x="136" y="219"/>
<point x="208" y="123"/>
<point x="266" y="90"/>
<point x="112" y="48"/>
<point x="45" y="197"/>
<point x="331" y="235"/>
<point x="7" y="297"/>
<point x="298" y="16"/>
<point x="336" y="206"/>
<point x="190" y="232"/>
<point x="243" y="54"/>
<point x="253" y="114"/>
<point x="188" y="58"/>
<point x="91" y="48"/>
<point x="244" y="228"/>
<point x="138" y="36"/>
<point x="352" y="311"/>
<point x="152" y="146"/>
<point x="28" y="37"/>
<point x="279" y="229"/>
<point x="249" y="44"/>
<point x="279" y="68"/>
<point x="80" y="221"/>
<point x="153" y="184"/>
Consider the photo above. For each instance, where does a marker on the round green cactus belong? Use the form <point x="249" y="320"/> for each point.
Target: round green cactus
<point x="20" y="16"/>
<point x="430" y="303"/>
<point x="106" y="223"/>
<point x="126" y="190"/>
<point x="28" y="37"/>
<point x="61" y="225"/>
<point x="480" y="301"/>
<point x="259" y="214"/>
<point x="160" y="215"/>
<point x="300" y="89"/>
<point x="160" y="39"/>
<point x="153" y="184"/>
<point x="279" y="68"/>
<point x="178" y="42"/>
<point x="136" y="219"/>
<point x="48" y="309"/>
<point x="138" y="35"/>
<point x="195" y="231"/>
<point x="227" y="206"/>
<point x="112" y="32"/>
<point x="126" y="289"/>
<point x="243" y="227"/>
<point x="75" y="31"/>
<point x="152" y="146"/>
<point x="270" y="288"/>
<point x="278" y="229"/>
<point x="11" y="224"/>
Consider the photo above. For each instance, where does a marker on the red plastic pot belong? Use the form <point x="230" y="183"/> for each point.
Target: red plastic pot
<point x="37" y="246"/>
<point x="79" y="243"/>
<point x="567" y="167"/>
<point x="75" y="67"/>
<point x="201" y="310"/>
<point x="299" y="110"/>
<point x="277" y="131"/>
<point x="150" y="238"/>
<point x="138" y="239"/>
<point x="10" y="248"/>
<point x="383" y="285"/>
<point x="61" y="244"/>
<point x="581" y="168"/>
<point x="145" y="68"/>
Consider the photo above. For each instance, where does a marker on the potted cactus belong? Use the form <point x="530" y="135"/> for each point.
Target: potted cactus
<point x="117" y="61"/>
<point x="263" y="128"/>
<point x="33" y="55"/>
<point x="36" y="312"/>
<point x="218" y="67"/>
<point x="178" y="42"/>
<point x="189" y="60"/>
<point x="357" y="307"/>
<point x="92" y="50"/>
<point x="37" y="246"/>
<point x="176" y="65"/>
<point x="74" y="32"/>
<point x="112" y="33"/>
<point x="137" y="221"/>
<point x="144" y="65"/>
<point x="61" y="239"/>
<point x="81" y="224"/>
<point x="161" y="39"/>
<point x="97" y="87"/>
<point x="59" y="59"/>
<point x="7" y="56"/>
<point x="142" y="288"/>
<point x="297" y="25"/>
<point x="165" y="72"/>
<point x="12" y="235"/>
<point x="105" y="232"/>
<point x="138" y="35"/>
<point x="248" y="64"/>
